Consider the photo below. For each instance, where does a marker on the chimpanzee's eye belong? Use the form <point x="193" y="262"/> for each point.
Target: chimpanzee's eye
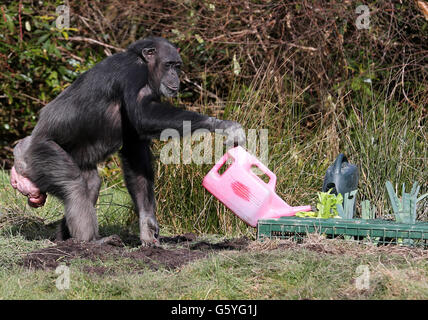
<point x="175" y="65"/>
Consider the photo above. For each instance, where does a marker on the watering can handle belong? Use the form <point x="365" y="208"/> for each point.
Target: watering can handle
<point x="221" y="162"/>
<point x="270" y="174"/>
<point x="261" y="166"/>
<point x="341" y="158"/>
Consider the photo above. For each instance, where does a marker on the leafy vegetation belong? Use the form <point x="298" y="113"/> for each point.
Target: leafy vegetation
<point x="303" y="71"/>
<point x="327" y="206"/>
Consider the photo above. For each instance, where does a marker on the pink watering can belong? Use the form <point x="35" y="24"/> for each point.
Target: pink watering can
<point x="243" y="192"/>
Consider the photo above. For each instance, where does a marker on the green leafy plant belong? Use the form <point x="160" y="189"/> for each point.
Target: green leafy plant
<point x="346" y="211"/>
<point x="367" y="210"/>
<point x="327" y="206"/>
<point x="405" y="207"/>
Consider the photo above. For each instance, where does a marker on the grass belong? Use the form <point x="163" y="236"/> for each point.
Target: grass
<point x="317" y="269"/>
<point x="386" y="139"/>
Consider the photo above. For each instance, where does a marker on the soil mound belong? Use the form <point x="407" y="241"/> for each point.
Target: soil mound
<point x="178" y="251"/>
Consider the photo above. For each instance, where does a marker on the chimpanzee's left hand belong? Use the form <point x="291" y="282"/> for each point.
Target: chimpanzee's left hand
<point x="234" y="132"/>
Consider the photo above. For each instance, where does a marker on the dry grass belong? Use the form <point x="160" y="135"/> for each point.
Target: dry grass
<point x="318" y="243"/>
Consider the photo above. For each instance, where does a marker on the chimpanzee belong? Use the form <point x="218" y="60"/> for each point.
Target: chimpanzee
<point x="115" y="105"/>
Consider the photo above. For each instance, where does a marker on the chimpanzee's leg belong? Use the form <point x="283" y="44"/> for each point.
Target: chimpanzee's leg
<point x="93" y="182"/>
<point x="54" y="171"/>
<point x="139" y="178"/>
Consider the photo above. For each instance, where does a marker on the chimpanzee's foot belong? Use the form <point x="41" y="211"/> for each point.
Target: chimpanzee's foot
<point x="149" y="231"/>
<point x="113" y="240"/>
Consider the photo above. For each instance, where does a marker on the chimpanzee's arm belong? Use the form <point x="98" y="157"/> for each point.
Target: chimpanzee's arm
<point x="157" y="116"/>
<point x="149" y="117"/>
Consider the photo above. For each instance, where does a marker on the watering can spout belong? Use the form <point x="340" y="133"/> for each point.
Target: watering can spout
<point x="285" y="212"/>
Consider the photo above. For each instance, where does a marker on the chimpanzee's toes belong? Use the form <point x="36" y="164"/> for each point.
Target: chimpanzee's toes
<point x="149" y="231"/>
<point x="150" y="238"/>
<point x="150" y="243"/>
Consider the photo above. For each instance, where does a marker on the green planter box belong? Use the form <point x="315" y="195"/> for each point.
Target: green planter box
<point x="377" y="231"/>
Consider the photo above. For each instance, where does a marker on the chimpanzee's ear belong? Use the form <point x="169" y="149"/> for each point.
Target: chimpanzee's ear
<point x="149" y="54"/>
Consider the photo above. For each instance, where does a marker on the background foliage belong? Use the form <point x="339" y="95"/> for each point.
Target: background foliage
<point x="298" y="68"/>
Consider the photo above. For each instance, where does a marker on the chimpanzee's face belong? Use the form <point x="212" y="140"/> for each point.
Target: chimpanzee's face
<point x="164" y="64"/>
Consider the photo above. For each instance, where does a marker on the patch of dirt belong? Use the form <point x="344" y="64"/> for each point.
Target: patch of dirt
<point x="64" y="251"/>
<point x="170" y="259"/>
<point x="132" y="240"/>
<point x="187" y="237"/>
<point x="179" y="250"/>
<point x="234" y="244"/>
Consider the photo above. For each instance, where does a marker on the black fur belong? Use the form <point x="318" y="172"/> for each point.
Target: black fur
<point x="115" y="104"/>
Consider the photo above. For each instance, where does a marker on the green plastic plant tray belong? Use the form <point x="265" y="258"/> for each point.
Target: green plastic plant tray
<point x="377" y="231"/>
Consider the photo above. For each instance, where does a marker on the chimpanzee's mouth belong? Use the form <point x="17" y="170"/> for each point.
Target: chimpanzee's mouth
<point x="169" y="91"/>
<point x="173" y="89"/>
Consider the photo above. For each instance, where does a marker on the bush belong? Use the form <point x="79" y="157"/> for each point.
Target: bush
<point x="300" y="69"/>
